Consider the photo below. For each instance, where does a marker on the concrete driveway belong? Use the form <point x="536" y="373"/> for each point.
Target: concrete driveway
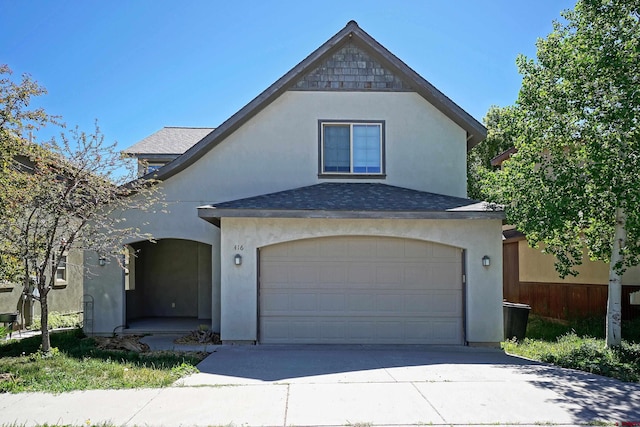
<point x="338" y="385"/>
<point x="347" y="385"/>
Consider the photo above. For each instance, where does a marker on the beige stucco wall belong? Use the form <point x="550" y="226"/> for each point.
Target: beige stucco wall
<point x="536" y="266"/>
<point x="104" y="285"/>
<point x="278" y="150"/>
<point x="245" y="235"/>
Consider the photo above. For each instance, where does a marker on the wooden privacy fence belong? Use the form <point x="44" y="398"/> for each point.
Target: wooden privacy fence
<point x="560" y="300"/>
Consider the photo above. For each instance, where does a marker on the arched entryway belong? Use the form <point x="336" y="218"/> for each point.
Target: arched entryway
<point x="169" y="279"/>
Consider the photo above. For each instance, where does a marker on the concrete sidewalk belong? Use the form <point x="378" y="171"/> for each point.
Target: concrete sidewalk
<point x="347" y="385"/>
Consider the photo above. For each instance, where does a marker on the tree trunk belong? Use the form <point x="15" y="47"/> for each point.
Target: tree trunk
<point x="614" y="303"/>
<point x="44" y="319"/>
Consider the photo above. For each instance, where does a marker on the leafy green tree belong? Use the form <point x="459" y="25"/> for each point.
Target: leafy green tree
<point x="17" y="122"/>
<point x="60" y="196"/>
<point x="574" y="182"/>
<point x="501" y="134"/>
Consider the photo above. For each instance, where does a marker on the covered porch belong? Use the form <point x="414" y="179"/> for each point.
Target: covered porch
<point x="168" y="287"/>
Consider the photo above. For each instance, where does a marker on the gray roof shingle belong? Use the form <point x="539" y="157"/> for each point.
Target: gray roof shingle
<point x="169" y="140"/>
<point x="372" y="198"/>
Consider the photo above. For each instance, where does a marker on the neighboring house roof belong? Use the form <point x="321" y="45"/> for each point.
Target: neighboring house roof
<point x="352" y="200"/>
<point x="168" y="140"/>
<point x="505" y="155"/>
<point x="511" y="234"/>
<point x="351" y="33"/>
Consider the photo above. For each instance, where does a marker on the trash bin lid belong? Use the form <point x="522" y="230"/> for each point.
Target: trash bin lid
<point x="516" y="305"/>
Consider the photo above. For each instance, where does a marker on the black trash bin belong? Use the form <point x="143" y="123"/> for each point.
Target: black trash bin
<point x="516" y="317"/>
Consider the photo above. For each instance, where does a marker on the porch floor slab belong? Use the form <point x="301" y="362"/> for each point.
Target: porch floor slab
<point x="164" y="325"/>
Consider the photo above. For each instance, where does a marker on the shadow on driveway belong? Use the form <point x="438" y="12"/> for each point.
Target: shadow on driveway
<point x="273" y="363"/>
<point x="593" y="396"/>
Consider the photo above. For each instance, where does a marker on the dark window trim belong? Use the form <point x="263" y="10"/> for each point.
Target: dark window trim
<point x="63" y="267"/>
<point x="352" y="176"/>
<point x="383" y="154"/>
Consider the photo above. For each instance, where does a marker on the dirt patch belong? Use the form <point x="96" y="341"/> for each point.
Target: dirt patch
<point x="125" y="342"/>
<point x="8" y="376"/>
<point x="199" y="337"/>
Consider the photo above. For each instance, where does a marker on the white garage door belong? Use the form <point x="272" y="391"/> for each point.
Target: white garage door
<point x="369" y="290"/>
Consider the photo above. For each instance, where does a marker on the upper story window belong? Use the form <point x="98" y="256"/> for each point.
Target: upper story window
<point x="351" y="148"/>
<point x="61" y="271"/>
<point x="152" y="167"/>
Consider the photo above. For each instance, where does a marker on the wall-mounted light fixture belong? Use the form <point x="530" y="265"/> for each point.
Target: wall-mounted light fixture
<point x="486" y="261"/>
<point x="102" y="261"/>
<point x="237" y="260"/>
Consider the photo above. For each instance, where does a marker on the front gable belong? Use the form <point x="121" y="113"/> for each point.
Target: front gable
<point x="351" y="61"/>
<point x="352" y="68"/>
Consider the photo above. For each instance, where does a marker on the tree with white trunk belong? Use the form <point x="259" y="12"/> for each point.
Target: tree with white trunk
<point x="574" y="182"/>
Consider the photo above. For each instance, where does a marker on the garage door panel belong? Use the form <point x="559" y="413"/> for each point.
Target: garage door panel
<point x="361" y="302"/>
<point x="390" y="303"/>
<point x="361" y="273"/>
<point x="432" y="276"/>
<point x="300" y="273"/>
<point x="361" y="290"/>
<point x="334" y="249"/>
<point x="332" y="331"/>
<point x="389" y="273"/>
<point x="273" y="273"/>
<point x="332" y="302"/>
<point x="361" y="248"/>
<point x="364" y="331"/>
<point x="305" y="302"/>
<point x="445" y="274"/>
<point x="389" y="248"/>
<point x="436" y="304"/>
<point x="418" y="249"/>
<point x="332" y="273"/>
<point x="274" y="302"/>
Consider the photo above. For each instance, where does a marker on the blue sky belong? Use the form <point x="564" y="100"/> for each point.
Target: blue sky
<point x="137" y="66"/>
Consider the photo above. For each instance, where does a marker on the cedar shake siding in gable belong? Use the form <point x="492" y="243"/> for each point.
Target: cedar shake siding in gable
<point x="351" y="68"/>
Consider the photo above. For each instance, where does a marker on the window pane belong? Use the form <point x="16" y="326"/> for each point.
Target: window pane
<point x="61" y="272"/>
<point x="366" y="149"/>
<point x="336" y="148"/>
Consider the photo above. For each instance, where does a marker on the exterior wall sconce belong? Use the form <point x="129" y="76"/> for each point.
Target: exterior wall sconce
<point x="486" y="261"/>
<point x="102" y="261"/>
<point x="237" y="260"/>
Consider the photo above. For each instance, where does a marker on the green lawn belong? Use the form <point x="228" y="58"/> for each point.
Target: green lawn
<point x="580" y="345"/>
<point x="76" y="364"/>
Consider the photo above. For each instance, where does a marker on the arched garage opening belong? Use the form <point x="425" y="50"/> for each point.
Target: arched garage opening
<point x="361" y="290"/>
<point x="169" y="280"/>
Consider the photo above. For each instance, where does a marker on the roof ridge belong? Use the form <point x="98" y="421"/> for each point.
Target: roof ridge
<point x="188" y="127"/>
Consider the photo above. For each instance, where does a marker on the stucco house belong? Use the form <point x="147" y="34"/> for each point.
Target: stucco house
<point x="330" y="209"/>
<point x="530" y="277"/>
<point x="66" y="294"/>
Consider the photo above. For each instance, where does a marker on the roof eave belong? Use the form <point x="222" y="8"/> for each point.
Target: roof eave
<point x="213" y="215"/>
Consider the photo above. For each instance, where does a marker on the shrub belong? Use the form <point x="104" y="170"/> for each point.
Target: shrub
<point x="58" y="320"/>
<point x="583" y="353"/>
